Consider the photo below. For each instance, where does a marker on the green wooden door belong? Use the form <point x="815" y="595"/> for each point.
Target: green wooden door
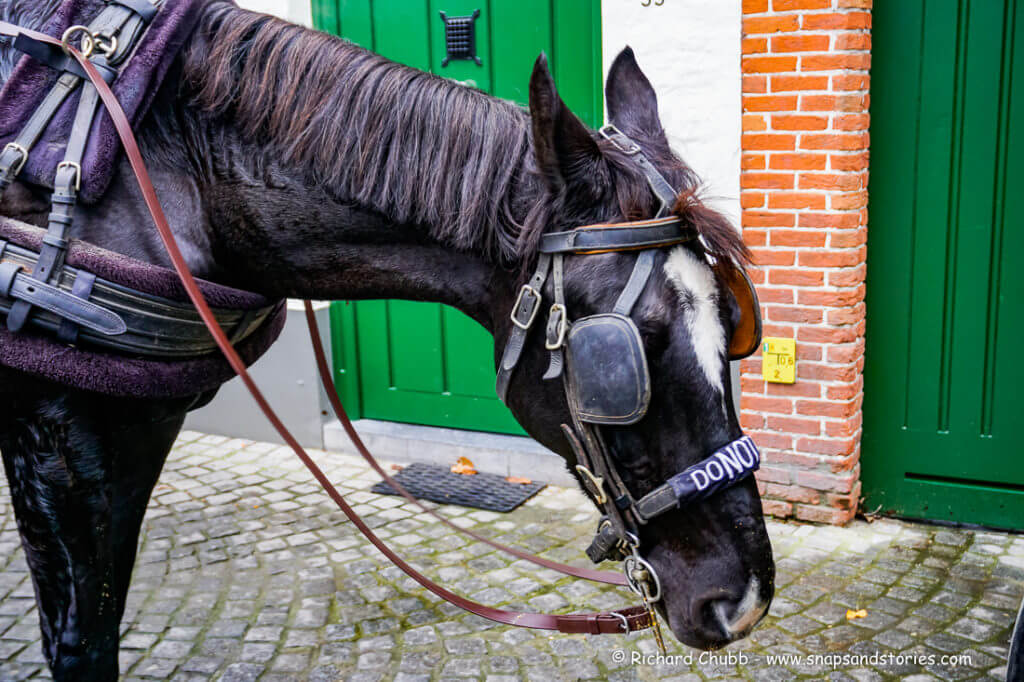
<point x="423" y="362"/>
<point x="943" y="374"/>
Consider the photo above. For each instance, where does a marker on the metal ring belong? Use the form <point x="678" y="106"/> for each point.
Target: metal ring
<point x="88" y="44"/>
<point x="106" y="44"/>
<point x="625" y="621"/>
<point x="631" y="563"/>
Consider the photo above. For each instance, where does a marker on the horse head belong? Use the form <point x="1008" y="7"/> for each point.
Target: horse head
<point x="692" y="314"/>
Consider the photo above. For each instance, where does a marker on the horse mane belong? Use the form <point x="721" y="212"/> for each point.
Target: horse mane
<point x="418" y="148"/>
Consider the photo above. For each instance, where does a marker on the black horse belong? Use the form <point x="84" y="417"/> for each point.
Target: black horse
<point x="294" y="164"/>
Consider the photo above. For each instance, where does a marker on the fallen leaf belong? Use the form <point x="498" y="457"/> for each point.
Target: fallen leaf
<point x="853" y="615"/>
<point x="463" y="466"/>
<point x="517" y="479"/>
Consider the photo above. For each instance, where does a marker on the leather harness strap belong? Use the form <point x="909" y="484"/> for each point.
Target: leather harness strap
<point x="119" y="318"/>
<point x="623" y="620"/>
<point x="524" y="312"/>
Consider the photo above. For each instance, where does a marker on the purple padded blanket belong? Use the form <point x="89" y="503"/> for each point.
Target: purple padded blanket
<point x="135" y="87"/>
<point x="89" y="369"/>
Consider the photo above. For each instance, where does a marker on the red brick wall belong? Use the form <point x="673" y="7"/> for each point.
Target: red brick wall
<point x="804" y="197"/>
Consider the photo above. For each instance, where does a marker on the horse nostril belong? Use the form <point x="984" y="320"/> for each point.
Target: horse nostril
<point x="736" y="618"/>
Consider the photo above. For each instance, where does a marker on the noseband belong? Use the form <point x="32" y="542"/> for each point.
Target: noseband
<point x="603" y="366"/>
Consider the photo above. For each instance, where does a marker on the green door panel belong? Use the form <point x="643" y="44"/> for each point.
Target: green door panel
<point x="422" y="362"/>
<point x="943" y="300"/>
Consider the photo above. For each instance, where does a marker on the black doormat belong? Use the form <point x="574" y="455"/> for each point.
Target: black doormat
<point x="481" y="491"/>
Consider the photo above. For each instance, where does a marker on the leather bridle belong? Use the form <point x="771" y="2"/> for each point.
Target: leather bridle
<point x="622" y="514"/>
<point x="618" y="533"/>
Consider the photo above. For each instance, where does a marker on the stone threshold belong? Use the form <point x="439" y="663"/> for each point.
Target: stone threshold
<point x="490" y="452"/>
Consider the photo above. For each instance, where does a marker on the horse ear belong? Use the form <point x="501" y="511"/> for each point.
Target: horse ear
<point x="562" y="145"/>
<point x="632" y="104"/>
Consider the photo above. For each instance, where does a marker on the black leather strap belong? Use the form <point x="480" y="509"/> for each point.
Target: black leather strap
<point x="16" y="284"/>
<point x="662" y="189"/>
<point x="636" y="284"/>
<point x="156" y="327"/>
<point x="657" y="502"/>
<point x="524" y="313"/>
<point x="82" y="288"/>
<point x="646" y="234"/>
<point x="66" y="183"/>
<point x="126" y="20"/>
<point x="15" y="155"/>
<point x="558" y="321"/>
<point x="606" y="544"/>
<point x="56" y="59"/>
<point x="143" y="8"/>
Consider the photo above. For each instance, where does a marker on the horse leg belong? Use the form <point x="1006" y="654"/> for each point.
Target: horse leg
<point x="81" y="468"/>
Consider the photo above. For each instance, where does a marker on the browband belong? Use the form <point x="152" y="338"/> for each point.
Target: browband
<point x="641" y="234"/>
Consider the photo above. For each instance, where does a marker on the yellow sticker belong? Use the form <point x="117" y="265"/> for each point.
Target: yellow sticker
<point x="778" y="360"/>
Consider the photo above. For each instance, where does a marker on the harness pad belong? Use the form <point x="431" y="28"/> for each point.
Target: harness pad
<point x="136" y="84"/>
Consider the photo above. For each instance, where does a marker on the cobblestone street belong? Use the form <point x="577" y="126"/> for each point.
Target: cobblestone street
<point x="247" y="572"/>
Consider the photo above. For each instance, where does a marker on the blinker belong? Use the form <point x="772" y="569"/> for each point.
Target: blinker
<point x="608" y="381"/>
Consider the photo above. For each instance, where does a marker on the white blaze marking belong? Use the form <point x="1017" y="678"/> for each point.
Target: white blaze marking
<point x="748" y="611"/>
<point x="695" y="285"/>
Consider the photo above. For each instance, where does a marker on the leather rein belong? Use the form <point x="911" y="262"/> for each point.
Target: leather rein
<point x="610" y="622"/>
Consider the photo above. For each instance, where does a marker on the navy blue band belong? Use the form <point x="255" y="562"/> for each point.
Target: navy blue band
<point x="725" y="467"/>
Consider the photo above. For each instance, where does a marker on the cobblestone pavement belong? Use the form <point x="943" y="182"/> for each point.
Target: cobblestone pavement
<point x="246" y="572"/>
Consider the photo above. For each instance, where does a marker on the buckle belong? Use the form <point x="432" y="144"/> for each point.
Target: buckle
<point x="611" y="133"/>
<point x="559" y="325"/>
<point x="625" y="621"/>
<point x="23" y="156"/>
<point x="527" y="290"/>
<point x="75" y="167"/>
<point x="596" y="481"/>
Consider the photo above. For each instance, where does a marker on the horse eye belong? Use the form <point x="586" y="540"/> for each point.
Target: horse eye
<point x="655" y="337"/>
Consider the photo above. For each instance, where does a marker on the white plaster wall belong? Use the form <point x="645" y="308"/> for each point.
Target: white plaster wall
<point x="299" y="11"/>
<point x="690" y="51"/>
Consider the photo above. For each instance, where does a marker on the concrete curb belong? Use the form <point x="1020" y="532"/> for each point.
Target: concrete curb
<point x="489" y="452"/>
